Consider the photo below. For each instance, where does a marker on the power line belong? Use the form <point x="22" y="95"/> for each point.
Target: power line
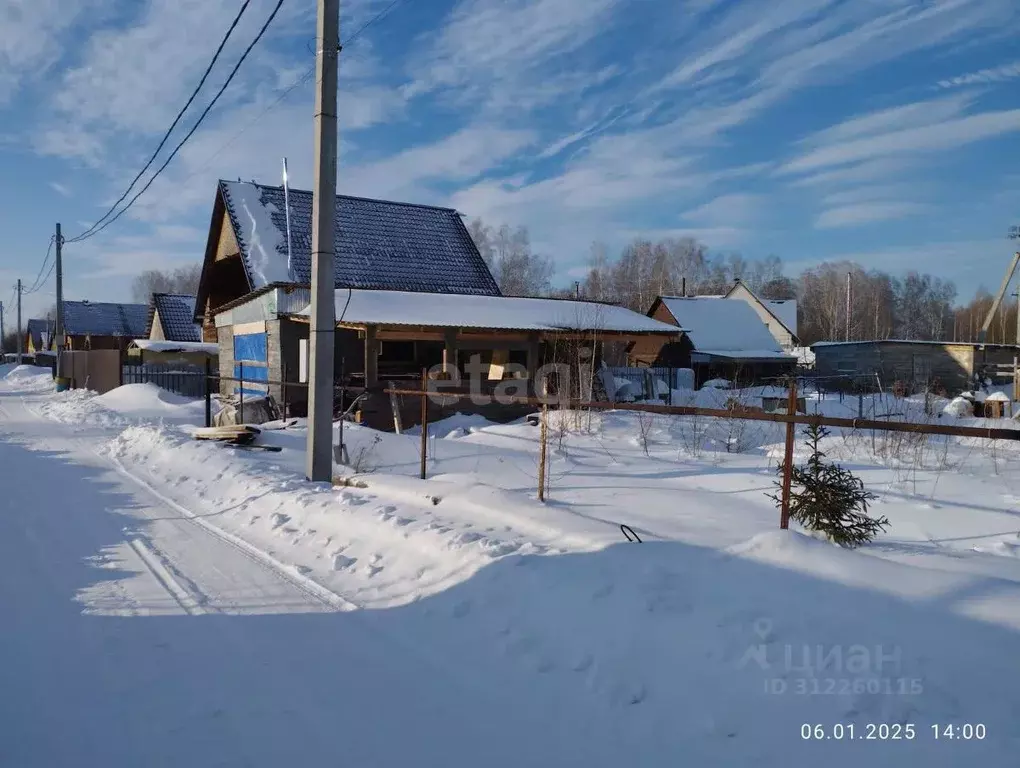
<point x="36" y="283"/>
<point x="191" y="132"/>
<point x="305" y="77"/>
<point x="180" y="114"/>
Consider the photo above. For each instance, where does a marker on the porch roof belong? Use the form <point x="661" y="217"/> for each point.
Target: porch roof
<point x="361" y="307"/>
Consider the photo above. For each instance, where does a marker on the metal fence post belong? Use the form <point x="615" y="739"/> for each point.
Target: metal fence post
<point x="784" y="519"/>
<point x="283" y="390"/>
<point x="208" y="391"/>
<point x="424" y="421"/>
<point x="543" y="436"/>
<point x="240" y="392"/>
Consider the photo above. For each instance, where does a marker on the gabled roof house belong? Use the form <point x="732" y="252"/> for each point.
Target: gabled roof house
<point x="411" y="292"/>
<point x="172" y="318"/>
<point x="779" y="316"/>
<point x="39" y="335"/>
<point x="103" y="325"/>
<point x="721" y="338"/>
<point x="380" y="245"/>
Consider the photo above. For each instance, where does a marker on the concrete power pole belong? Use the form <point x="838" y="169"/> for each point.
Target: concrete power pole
<point x="59" y="332"/>
<point x="21" y="336"/>
<point x="319" y="459"/>
<point x="2" y="350"/>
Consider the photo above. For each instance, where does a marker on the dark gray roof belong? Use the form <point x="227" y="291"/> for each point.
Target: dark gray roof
<point x="104" y="319"/>
<point x="176" y="315"/>
<point x="40" y="330"/>
<point x="379" y="244"/>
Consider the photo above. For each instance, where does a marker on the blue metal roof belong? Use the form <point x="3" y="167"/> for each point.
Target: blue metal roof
<point x="177" y="316"/>
<point x="41" y="332"/>
<point x="98" y="318"/>
<point x="379" y="244"/>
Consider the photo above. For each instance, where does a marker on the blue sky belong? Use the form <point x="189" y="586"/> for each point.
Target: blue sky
<point x="887" y="131"/>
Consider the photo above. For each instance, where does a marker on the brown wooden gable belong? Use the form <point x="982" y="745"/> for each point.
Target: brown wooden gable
<point x="224" y="277"/>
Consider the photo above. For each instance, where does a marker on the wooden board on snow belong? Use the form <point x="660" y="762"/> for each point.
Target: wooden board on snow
<point x="239" y="433"/>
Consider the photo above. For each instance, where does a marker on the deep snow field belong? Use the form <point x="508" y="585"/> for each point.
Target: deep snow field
<point x="543" y="634"/>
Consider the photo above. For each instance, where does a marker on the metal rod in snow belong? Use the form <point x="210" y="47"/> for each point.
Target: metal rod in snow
<point x="849" y="301"/>
<point x="286" y="207"/>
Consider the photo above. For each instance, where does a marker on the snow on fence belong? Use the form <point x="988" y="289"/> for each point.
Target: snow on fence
<point x="791" y="418"/>
<point x="180" y="378"/>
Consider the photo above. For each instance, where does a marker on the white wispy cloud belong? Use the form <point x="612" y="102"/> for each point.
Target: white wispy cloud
<point x="727" y="210"/>
<point x="32" y="37"/>
<point x="983" y="76"/>
<point x="867" y="213"/>
<point x="61" y="189"/>
<point x="928" y="138"/>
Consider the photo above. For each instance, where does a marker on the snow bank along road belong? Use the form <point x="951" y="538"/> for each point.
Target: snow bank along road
<point x="154" y="615"/>
<point x="192" y="650"/>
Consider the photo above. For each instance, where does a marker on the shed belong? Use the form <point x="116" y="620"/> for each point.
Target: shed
<point x="955" y="366"/>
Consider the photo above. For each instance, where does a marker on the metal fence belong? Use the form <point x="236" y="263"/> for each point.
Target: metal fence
<point x="646" y="381"/>
<point x="183" y="379"/>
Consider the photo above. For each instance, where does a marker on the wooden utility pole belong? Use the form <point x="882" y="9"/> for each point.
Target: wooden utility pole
<point x="319" y="459"/>
<point x="21" y="336"/>
<point x="59" y="333"/>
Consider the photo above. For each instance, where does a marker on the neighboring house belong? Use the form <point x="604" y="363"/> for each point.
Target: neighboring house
<point x="920" y="365"/>
<point x="384" y="335"/>
<point x="779" y="316"/>
<point x="172" y="318"/>
<point x="39" y="336"/>
<point x="379" y="245"/>
<point x="721" y="339"/>
<point x="102" y="325"/>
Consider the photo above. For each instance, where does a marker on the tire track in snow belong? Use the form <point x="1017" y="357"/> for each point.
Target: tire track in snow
<point x="161" y="571"/>
<point x="306" y="585"/>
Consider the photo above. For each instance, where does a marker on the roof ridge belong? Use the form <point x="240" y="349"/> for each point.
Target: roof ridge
<point x="294" y="191"/>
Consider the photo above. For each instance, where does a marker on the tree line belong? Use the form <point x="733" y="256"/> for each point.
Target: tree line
<point x="912" y="306"/>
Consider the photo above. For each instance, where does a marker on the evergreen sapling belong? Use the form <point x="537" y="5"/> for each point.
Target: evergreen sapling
<point x="829" y="498"/>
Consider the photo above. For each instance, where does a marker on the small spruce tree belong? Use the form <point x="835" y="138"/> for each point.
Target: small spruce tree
<point x="829" y="498"/>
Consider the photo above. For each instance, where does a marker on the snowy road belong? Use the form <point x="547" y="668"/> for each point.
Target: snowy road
<point x="165" y="602"/>
<point x="133" y="635"/>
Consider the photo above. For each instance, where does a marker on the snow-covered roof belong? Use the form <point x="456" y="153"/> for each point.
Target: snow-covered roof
<point x="369" y="307"/>
<point x="718" y="326"/>
<point x="786" y="311"/>
<point x="741" y="354"/>
<point x="98" y="318"/>
<point x="379" y="243"/>
<point x="908" y="341"/>
<point x="149" y="345"/>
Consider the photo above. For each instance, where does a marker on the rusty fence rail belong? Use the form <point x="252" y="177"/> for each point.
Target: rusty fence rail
<point x="791" y="419"/>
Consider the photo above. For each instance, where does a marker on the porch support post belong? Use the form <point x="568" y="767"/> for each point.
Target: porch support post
<point x="450" y="355"/>
<point x="534" y="351"/>
<point x="371" y="358"/>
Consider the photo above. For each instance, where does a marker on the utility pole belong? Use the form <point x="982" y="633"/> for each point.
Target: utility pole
<point x="21" y="336"/>
<point x="59" y="333"/>
<point x="2" y="350"/>
<point x="319" y="459"/>
<point x="849" y="295"/>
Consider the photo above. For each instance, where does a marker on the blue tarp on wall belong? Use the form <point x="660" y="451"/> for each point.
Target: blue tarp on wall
<point x="251" y="357"/>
